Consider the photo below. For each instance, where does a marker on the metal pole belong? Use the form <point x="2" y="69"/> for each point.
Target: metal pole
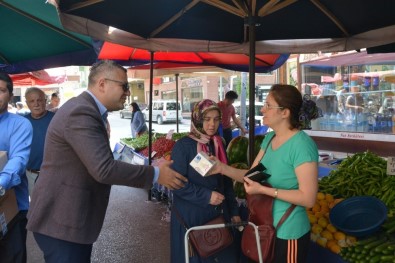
<point x="151" y="92"/>
<point x="177" y="101"/>
<point x="251" y="88"/>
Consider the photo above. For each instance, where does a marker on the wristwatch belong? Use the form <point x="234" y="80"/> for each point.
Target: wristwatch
<point x="2" y="190"/>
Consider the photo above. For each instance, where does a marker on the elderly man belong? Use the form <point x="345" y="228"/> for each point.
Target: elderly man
<point x="40" y="118"/>
<point x="71" y="195"/>
<point x="15" y="139"/>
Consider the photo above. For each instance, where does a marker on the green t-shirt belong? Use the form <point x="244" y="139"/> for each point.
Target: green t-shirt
<point x="281" y="164"/>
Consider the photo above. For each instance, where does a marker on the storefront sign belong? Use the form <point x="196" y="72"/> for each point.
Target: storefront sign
<point x="391" y="165"/>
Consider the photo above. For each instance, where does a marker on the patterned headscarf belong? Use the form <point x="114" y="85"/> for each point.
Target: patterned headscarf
<point x="198" y="134"/>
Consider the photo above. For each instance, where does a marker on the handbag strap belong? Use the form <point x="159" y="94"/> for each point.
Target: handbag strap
<point x="292" y="207"/>
<point x="180" y="218"/>
<point x="285" y="216"/>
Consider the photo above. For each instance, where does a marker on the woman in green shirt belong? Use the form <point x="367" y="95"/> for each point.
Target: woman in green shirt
<point x="291" y="159"/>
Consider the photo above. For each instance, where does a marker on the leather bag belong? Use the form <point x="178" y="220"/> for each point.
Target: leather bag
<point x="208" y="242"/>
<point x="260" y="213"/>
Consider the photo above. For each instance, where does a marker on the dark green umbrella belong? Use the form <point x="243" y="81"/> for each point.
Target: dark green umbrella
<point x="32" y="38"/>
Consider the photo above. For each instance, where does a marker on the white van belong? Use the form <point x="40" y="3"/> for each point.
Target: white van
<point x="258" y="113"/>
<point x="164" y="111"/>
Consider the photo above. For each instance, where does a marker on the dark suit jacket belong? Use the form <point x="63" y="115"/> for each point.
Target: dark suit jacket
<point x="71" y="195"/>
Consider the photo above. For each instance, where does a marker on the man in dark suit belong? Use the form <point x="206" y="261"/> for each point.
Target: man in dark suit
<point x="71" y="195"/>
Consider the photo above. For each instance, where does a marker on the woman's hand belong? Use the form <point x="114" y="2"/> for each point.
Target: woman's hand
<point x="235" y="219"/>
<point x="216" y="198"/>
<point x="252" y="187"/>
<point x="218" y="167"/>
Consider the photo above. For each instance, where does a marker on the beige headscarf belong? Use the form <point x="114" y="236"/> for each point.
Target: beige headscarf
<point x="198" y="134"/>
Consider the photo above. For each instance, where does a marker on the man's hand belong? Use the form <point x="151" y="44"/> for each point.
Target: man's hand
<point x="170" y="178"/>
<point x="243" y="131"/>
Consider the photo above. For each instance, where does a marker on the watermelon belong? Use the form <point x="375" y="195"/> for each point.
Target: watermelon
<point x="237" y="150"/>
<point x="257" y="145"/>
<point x="237" y="186"/>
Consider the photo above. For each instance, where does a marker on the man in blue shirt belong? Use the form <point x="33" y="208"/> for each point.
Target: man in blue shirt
<point x="40" y="118"/>
<point x="15" y="138"/>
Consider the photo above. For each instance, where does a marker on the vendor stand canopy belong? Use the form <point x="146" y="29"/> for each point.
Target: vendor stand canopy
<point x="40" y="78"/>
<point x="232" y="26"/>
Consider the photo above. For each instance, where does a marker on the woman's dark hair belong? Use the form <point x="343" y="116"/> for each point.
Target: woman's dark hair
<point x="7" y="79"/>
<point x="302" y="110"/>
<point x="135" y="106"/>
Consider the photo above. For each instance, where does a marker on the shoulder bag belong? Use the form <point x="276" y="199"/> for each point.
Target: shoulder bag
<point x="260" y="213"/>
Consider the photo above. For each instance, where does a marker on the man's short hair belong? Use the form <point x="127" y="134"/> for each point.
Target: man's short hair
<point x="7" y="79"/>
<point x="231" y="95"/>
<point x="35" y="90"/>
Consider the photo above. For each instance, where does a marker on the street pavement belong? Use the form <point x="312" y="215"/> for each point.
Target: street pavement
<point x="135" y="229"/>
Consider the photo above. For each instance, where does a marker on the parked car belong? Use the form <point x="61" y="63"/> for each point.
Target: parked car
<point x="164" y="111"/>
<point x="258" y="113"/>
<point x="127" y="111"/>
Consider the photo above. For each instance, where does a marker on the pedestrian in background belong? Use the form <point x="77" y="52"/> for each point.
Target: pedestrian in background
<point x="54" y="103"/>
<point x="70" y="197"/>
<point x="15" y="138"/>
<point x="228" y="113"/>
<point x="137" y="123"/>
<point x="203" y="198"/>
<point x="40" y="118"/>
<point x="21" y="109"/>
<point x="291" y="160"/>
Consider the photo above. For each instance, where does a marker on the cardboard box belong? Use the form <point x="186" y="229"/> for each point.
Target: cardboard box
<point x="8" y="205"/>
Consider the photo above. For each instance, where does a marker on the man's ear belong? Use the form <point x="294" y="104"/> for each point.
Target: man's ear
<point x="101" y="84"/>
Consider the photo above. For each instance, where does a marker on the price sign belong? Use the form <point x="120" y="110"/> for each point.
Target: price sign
<point x="169" y="135"/>
<point x="391" y="165"/>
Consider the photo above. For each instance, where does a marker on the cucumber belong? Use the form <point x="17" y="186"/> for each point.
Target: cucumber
<point x="375" y="243"/>
<point x="387" y="258"/>
<point x="375" y="259"/>
<point x="366" y="241"/>
<point x="381" y="247"/>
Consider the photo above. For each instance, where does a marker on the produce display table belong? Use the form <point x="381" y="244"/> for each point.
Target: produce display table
<point x="322" y="255"/>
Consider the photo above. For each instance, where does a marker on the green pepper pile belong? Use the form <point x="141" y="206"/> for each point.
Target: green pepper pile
<point x="361" y="174"/>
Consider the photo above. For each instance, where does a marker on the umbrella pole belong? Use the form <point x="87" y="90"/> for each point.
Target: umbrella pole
<point x="251" y="110"/>
<point x="151" y="79"/>
<point x="177" y="112"/>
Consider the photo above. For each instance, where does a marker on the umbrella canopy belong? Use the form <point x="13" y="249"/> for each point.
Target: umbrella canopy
<point x="281" y="26"/>
<point x="33" y="39"/>
<point x="238" y="62"/>
<point x="232" y="26"/>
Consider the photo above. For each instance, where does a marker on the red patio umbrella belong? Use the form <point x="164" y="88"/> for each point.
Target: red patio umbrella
<point x="239" y="62"/>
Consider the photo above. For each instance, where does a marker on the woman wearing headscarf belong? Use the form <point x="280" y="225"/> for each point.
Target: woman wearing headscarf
<point x="202" y="198"/>
<point x="137" y="124"/>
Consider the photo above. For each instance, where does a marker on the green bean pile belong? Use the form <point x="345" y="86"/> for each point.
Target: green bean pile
<point x="361" y="174"/>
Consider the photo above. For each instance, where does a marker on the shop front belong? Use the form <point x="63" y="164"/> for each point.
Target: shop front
<point x="356" y="93"/>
